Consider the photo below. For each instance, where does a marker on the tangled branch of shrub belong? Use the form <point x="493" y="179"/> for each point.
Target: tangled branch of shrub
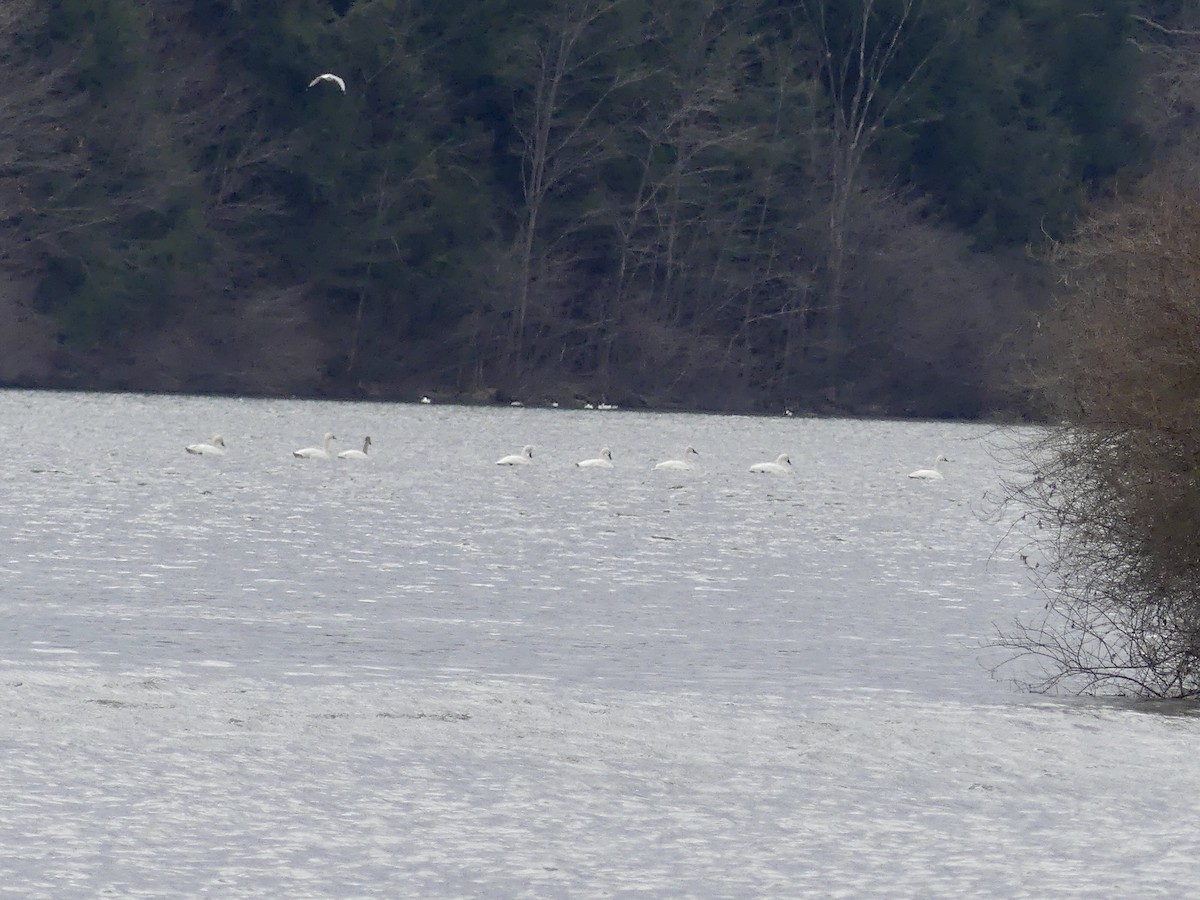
<point x="1115" y="490"/>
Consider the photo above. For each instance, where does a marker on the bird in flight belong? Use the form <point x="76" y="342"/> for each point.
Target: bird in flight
<point x="329" y="76"/>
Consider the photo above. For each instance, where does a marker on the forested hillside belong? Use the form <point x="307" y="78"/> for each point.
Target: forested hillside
<point x="833" y="205"/>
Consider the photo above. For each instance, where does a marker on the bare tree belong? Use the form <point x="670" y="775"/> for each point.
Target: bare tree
<point x="673" y="229"/>
<point x="562" y="125"/>
<point x="40" y="141"/>
<point x="1170" y="98"/>
<point x="861" y="51"/>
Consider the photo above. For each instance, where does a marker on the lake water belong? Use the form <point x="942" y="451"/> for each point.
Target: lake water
<point x="426" y="675"/>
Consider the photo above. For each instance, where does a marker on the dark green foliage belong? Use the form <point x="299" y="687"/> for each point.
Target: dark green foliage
<point x="605" y="191"/>
<point x="1027" y="112"/>
<point x="107" y="34"/>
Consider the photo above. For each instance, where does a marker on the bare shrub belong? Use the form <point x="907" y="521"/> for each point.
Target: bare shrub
<point x="949" y="306"/>
<point x="1114" y="497"/>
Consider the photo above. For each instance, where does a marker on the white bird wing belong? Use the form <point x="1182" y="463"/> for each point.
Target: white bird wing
<point x="329" y="76"/>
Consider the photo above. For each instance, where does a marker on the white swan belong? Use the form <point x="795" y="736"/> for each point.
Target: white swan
<point x="357" y="454"/>
<point x="781" y="466"/>
<point x="677" y="465"/>
<point x="524" y="458"/>
<point x="603" y="461"/>
<point x="214" y="448"/>
<point x="321" y="452"/>
<point x="931" y="474"/>
<point x="329" y="76"/>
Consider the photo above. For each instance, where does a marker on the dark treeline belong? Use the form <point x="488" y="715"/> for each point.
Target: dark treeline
<point x="827" y="204"/>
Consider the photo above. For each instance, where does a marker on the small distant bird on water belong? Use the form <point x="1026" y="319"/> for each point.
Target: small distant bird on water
<point x="357" y="454"/>
<point x="216" y="447"/>
<point x="781" y="466"/>
<point x="603" y="461"/>
<point x="933" y="474"/>
<point x="679" y="465"/>
<point x="524" y="458"/>
<point x="321" y="452"/>
<point x="329" y="76"/>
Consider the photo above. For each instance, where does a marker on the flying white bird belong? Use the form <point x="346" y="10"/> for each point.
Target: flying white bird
<point x="329" y="76"/>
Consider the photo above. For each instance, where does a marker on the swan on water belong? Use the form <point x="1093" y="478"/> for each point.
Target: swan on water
<point x="329" y="76"/>
<point x="931" y="474"/>
<point x="603" y="461"/>
<point x="357" y="454"/>
<point x="426" y="400"/>
<point x="321" y="452"/>
<point x="679" y="464"/>
<point x="216" y="447"/>
<point x="524" y="458"/>
<point x="781" y="466"/>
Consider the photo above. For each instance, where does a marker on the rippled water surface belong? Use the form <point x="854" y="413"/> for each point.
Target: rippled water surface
<point x="424" y="674"/>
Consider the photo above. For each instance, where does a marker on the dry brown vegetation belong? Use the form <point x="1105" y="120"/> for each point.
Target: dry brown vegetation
<point x="1115" y="501"/>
